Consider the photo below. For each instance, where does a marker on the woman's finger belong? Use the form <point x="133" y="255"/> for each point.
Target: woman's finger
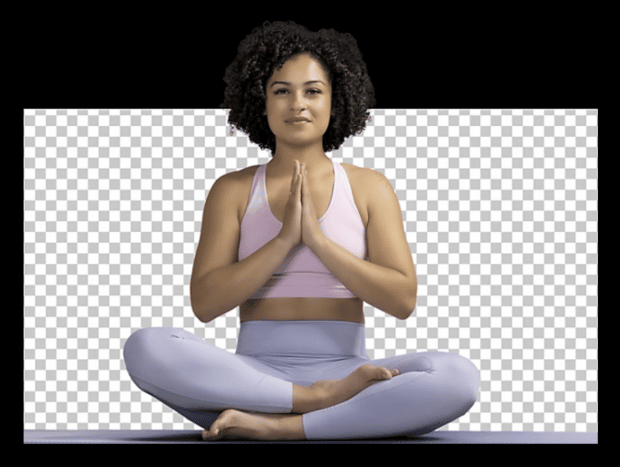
<point x="295" y="179"/>
<point x="299" y="182"/>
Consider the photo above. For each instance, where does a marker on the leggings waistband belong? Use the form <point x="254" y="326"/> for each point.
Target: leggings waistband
<point x="302" y="338"/>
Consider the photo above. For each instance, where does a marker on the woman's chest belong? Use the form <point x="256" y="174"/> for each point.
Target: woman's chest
<point x="322" y="192"/>
<point x="278" y="194"/>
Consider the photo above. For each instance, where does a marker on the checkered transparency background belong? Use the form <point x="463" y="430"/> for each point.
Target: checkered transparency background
<point x="499" y="206"/>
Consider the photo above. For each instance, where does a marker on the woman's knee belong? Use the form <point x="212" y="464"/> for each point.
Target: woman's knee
<point x="142" y="347"/>
<point x="466" y="377"/>
<point x="456" y="376"/>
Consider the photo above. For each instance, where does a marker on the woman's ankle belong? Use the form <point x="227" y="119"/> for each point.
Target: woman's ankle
<point x="308" y="399"/>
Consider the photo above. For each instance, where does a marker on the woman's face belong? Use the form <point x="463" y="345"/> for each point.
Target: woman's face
<point x="299" y="98"/>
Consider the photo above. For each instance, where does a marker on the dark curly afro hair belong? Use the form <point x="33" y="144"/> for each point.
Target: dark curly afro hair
<point x="266" y="49"/>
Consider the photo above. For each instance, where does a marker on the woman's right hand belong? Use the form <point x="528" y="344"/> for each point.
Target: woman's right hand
<point x="291" y="225"/>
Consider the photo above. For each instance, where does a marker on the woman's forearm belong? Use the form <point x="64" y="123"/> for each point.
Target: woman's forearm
<point x="381" y="287"/>
<point x="225" y="288"/>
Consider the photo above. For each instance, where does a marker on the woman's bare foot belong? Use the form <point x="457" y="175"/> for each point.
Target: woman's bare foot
<point x="234" y="424"/>
<point x="326" y="393"/>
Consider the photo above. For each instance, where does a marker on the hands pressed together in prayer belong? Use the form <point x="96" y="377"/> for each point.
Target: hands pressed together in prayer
<point x="300" y="222"/>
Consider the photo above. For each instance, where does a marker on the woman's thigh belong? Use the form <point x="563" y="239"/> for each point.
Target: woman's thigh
<point x="185" y="371"/>
<point x="432" y="389"/>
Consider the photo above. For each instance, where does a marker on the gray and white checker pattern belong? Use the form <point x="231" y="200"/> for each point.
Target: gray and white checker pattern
<point x="500" y="209"/>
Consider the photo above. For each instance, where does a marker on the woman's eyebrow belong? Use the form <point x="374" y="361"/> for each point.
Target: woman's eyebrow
<point x="287" y="83"/>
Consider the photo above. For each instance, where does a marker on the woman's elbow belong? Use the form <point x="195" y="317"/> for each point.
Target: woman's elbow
<point x="200" y="310"/>
<point x="204" y="313"/>
<point x="408" y="304"/>
<point x="203" y="317"/>
<point x="199" y="304"/>
<point x="204" y="307"/>
<point x="405" y="311"/>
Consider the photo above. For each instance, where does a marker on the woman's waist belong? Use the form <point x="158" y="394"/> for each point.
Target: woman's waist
<point x="316" y="338"/>
<point x="303" y="309"/>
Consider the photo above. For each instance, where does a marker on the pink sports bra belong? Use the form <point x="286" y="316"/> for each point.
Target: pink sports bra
<point x="302" y="274"/>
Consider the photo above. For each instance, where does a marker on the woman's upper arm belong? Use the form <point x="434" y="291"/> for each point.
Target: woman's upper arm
<point x="385" y="235"/>
<point x="219" y="234"/>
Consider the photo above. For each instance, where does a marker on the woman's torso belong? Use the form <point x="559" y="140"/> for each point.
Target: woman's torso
<point x="321" y="183"/>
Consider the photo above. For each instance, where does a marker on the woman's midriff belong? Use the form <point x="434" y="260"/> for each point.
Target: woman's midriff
<point x="303" y="309"/>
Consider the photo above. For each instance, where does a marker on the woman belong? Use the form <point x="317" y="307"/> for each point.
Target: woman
<point x="299" y="244"/>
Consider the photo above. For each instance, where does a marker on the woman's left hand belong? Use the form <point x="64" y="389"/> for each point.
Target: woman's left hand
<point x="311" y="233"/>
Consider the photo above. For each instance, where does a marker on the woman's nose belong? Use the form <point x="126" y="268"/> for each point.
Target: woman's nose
<point x="298" y="103"/>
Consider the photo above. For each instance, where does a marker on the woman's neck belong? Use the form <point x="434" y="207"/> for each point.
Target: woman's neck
<point x="284" y="158"/>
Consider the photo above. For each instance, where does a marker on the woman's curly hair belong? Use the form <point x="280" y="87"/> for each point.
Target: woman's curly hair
<point x="266" y="49"/>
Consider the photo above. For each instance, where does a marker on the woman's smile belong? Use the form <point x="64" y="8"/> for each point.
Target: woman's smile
<point x="298" y="120"/>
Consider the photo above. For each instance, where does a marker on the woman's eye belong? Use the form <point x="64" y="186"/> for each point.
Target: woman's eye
<point x="278" y="92"/>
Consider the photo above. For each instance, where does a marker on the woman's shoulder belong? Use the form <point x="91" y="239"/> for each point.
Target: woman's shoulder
<point x="365" y="184"/>
<point x="231" y="183"/>
<point x="238" y="176"/>
<point x="371" y="188"/>
<point x="364" y="178"/>
<point x="234" y="187"/>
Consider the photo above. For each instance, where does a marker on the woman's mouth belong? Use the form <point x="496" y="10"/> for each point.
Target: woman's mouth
<point x="298" y="120"/>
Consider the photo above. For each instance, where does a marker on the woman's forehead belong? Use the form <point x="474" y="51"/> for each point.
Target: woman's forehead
<point x="299" y="70"/>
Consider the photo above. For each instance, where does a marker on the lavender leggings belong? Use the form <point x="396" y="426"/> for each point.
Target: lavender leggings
<point x="199" y="380"/>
